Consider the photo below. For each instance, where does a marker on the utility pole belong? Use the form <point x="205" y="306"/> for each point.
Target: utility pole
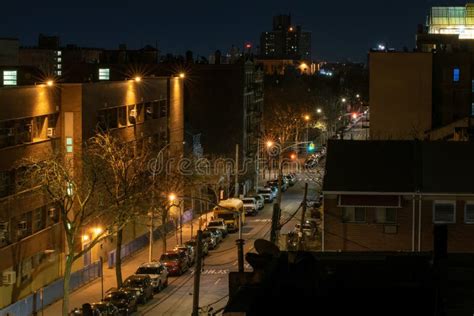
<point x="192" y="212"/>
<point x="257" y="167"/>
<point x="197" y="274"/>
<point x="181" y="222"/>
<point x="303" y="212"/>
<point x="150" y="246"/>
<point x="236" y="192"/>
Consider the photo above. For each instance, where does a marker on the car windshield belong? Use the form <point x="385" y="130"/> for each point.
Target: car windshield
<point x="133" y="283"/>
<point x="148" y="270"/>
<point x="116" y="296"/>
<point x="100" y="306"/>
<point x="227" y="216"/>
<point x="214" y="224"/>
<point x="264" y="191"/>
<point x="247" y="200"/>
<point x="169" y="256"/>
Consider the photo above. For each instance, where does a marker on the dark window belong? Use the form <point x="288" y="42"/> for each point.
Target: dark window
<point x="163" y="108"/>
<point x="122" y="116"/>
<point x="385" y="215"/>
<point x="156" y="109"/>
<point x="148" y="111"/>
<point x="444" y="212"/>
<point x="469" y="213"/>
<point x="107" y="119"/>
<point x="353" y="214"/>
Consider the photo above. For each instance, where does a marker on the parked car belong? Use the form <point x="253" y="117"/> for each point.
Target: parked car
<point x="157" y="272"/>
<point x="291" y="179"/>
<point x="250" y="206"/>
<point x="175" y="262"/>
<point x="308" y="229"/>
<point x="267" y="194"/>
<point x="219" y="223"/>
<point x="209" y="238"/>
<point x="125" y="301"/>
<point x="142" y="285"/>
<point x="189" y="252"/>
<point x="105" y="309"/>
<point x="274" y="190"/>
<point x="205" y="245"/>
<point x="274" y="183"/>
<point x="260" y="201"/>
<point x="216" y="232"/>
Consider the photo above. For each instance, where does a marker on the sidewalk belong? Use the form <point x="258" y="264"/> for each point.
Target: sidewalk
<point x="92" y="292"/>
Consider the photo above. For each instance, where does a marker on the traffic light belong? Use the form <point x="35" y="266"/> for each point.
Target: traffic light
<point x="311" y="147"/>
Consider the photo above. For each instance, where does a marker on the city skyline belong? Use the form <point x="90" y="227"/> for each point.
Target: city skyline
<point x="206" y="28"/>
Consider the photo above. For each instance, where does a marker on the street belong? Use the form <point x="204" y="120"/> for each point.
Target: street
<point x="177" y="298"/>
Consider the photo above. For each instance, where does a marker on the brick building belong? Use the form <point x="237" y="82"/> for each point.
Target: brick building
<point x="389" y="195"/>
<point x="36" y="121"/>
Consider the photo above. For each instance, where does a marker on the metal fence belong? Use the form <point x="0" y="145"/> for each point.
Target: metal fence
<point x="137" y="244"/>
<point x="53" y="292"/>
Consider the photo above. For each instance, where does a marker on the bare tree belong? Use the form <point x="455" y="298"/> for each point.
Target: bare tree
<point x="122" y="168"/>
<point x="73" y="192"/>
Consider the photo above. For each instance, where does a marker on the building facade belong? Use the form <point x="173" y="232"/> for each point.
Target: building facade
<point x="285" y="41"/>
<point x="37" y="121"/>
<point x="393" y="194"/>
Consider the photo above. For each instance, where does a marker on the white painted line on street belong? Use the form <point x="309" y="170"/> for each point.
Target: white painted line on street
<point x="215" y="283"/>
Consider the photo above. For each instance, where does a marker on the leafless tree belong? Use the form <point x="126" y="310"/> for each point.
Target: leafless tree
<point x="71" y="185"/>
<point x="122" y="168"/>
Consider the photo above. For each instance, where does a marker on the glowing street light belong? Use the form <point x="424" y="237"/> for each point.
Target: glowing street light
<point x="182" y="75"/>
<point x="85" y="238"/>
<point x="138" y="79"/>
<point x="49" y="83"/>
<point x="293" y="156"/>
<point x="343" y="100"/>
<point x="354" y="115"/>
<point x="97" y="230"/>
<point x="357" y="96"/>
<point x="172" y="197"/>
<point x="319" y="110"/>
<point x="306" y="117"/>
<point x="269" y="143"/>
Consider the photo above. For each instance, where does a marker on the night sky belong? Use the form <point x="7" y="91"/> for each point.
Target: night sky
<point x="342" y="29"/>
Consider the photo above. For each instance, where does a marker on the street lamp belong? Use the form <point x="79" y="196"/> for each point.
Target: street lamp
<point x="319" y="111"/>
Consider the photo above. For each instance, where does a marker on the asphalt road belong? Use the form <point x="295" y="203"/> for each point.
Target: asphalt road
<point x="177" y="298"/>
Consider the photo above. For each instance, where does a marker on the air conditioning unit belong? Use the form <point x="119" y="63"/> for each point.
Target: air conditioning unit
<point x="22" y="226"/>
<point x="9" y="277"/>
<point x="52" y="212"/>
<point x="51" y="132"/>
<point x="3" y="226"/>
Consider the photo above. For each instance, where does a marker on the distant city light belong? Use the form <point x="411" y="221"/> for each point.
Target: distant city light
<point x="381" y="47"/>
<point x="319" y="110"/>
<point x="291" y="29"/>
<point x="343" y="100"/>
<point x="325" y="73"/>
<point x="269" y="143"/>
<point x="248" y="45"/>
<point x="307" y="117"/>
<point x="354" y="115"/>
<point x="357" y="96"/>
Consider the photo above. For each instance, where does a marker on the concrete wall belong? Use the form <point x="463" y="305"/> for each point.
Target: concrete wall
<point x="400" y="95"/>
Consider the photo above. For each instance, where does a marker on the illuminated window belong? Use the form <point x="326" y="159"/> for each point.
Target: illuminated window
<point x="104" y="74"/>
<point x="59" y="59"/>
<point x="59" y="66"/>
<point x="9" y="77"/>
<point x="456" y="74"/>
<point x="59" y="72"/>
<point x="58" y="53"/>
<point x="69" y="144"/>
